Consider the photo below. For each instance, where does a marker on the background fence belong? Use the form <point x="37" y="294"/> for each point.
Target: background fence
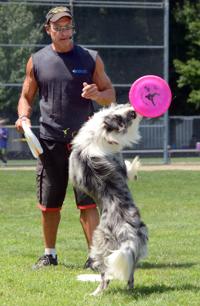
<point x="131" y="37"/>
<point x="184" y="139"/>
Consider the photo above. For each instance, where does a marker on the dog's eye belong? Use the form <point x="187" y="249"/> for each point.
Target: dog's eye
<point x="119" y="120"/>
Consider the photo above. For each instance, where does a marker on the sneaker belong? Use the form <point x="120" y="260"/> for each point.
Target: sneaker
<point x="88" y="263"/>
<point x="45" y="261"/>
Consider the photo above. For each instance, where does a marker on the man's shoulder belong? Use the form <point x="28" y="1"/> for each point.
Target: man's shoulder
<point x="93" y="53"/>
<point x="42" y="51"/>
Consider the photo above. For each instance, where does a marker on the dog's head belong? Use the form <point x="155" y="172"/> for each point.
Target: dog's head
<point x="120" y="126"/>
<point x="109" y="130"/>
<point x="120" y="120"/>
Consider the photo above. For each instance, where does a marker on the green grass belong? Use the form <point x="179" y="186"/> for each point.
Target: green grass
<point x="144" y="160"/>
<point x="169" y="276"/>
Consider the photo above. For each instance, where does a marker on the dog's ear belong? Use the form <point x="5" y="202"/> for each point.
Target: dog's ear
<point x="114" y="123"/>
<point x="110" y="123"/>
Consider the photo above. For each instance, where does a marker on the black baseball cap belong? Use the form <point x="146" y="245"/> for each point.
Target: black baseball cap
<point x="58" y="12"/>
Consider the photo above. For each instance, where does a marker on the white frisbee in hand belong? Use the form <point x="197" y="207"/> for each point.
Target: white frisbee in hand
<point x="32" y="141"/>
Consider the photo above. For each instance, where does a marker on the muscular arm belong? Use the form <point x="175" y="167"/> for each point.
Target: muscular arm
<point x="102" y="90"/>
<point x="29" y="90"/>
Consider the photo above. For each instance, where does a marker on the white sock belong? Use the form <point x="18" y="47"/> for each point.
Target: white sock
<point x="49" y="251"/>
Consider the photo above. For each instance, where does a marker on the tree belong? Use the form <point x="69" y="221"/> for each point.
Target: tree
<point x="17" y="27"/>
<point x="188" y="68"/>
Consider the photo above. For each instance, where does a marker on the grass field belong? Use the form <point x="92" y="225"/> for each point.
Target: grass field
<point x="145" y="161"/>
<point x="169" y="202"/>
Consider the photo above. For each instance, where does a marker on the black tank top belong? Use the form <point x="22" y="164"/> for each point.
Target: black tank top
<point x="60" y="78"/>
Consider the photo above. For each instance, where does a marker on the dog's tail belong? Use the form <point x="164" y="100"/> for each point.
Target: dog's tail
<point x="122" y="262"/>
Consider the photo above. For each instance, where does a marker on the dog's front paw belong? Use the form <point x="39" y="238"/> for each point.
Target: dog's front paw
<point x="133" y="167"/>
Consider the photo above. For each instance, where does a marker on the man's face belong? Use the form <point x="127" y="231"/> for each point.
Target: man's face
<point x="61" y="31"/>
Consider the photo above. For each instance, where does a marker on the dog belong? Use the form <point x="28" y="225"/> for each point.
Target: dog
<point x="97" y="168"/>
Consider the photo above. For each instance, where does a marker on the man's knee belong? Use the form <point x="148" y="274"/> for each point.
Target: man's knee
<point x="89" y="214"/>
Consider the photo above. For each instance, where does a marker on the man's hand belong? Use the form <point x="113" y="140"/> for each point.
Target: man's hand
<point x="18" y="123"/>
<point x="90" y="91"/>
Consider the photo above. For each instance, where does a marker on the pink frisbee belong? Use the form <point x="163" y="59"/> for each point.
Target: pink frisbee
<point x="150" y="96"/>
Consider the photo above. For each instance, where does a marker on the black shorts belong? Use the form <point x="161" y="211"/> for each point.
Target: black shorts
<point x="52" y="178"/>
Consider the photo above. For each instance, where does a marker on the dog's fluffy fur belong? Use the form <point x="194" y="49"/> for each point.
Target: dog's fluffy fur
<point x="97" y="168"/>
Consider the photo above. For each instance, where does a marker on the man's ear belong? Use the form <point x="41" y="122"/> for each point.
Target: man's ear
<point x="47" y="28"/>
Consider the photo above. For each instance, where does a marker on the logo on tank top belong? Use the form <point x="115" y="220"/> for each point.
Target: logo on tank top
<point x="80" y="71"/>
<point x="65" y="132"/>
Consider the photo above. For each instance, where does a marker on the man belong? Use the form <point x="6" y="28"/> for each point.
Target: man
<point x="3" y="142"/>
<point x="68" y="78"/>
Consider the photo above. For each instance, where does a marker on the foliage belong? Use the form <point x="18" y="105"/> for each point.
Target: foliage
<point x="189" y="69"/>
<point x="17" y="27"/>
<point x="21" y="23"/>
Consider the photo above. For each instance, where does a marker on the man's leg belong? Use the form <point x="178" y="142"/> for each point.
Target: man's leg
<point x="1" y="155"/>
<point x="4" y="156"/>
<point x="89" y="219"/>
<point x="50" y="222"/>
<point x="52" y="178"/>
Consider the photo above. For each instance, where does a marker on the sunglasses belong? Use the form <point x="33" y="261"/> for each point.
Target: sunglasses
<point x="58" y="28"/>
